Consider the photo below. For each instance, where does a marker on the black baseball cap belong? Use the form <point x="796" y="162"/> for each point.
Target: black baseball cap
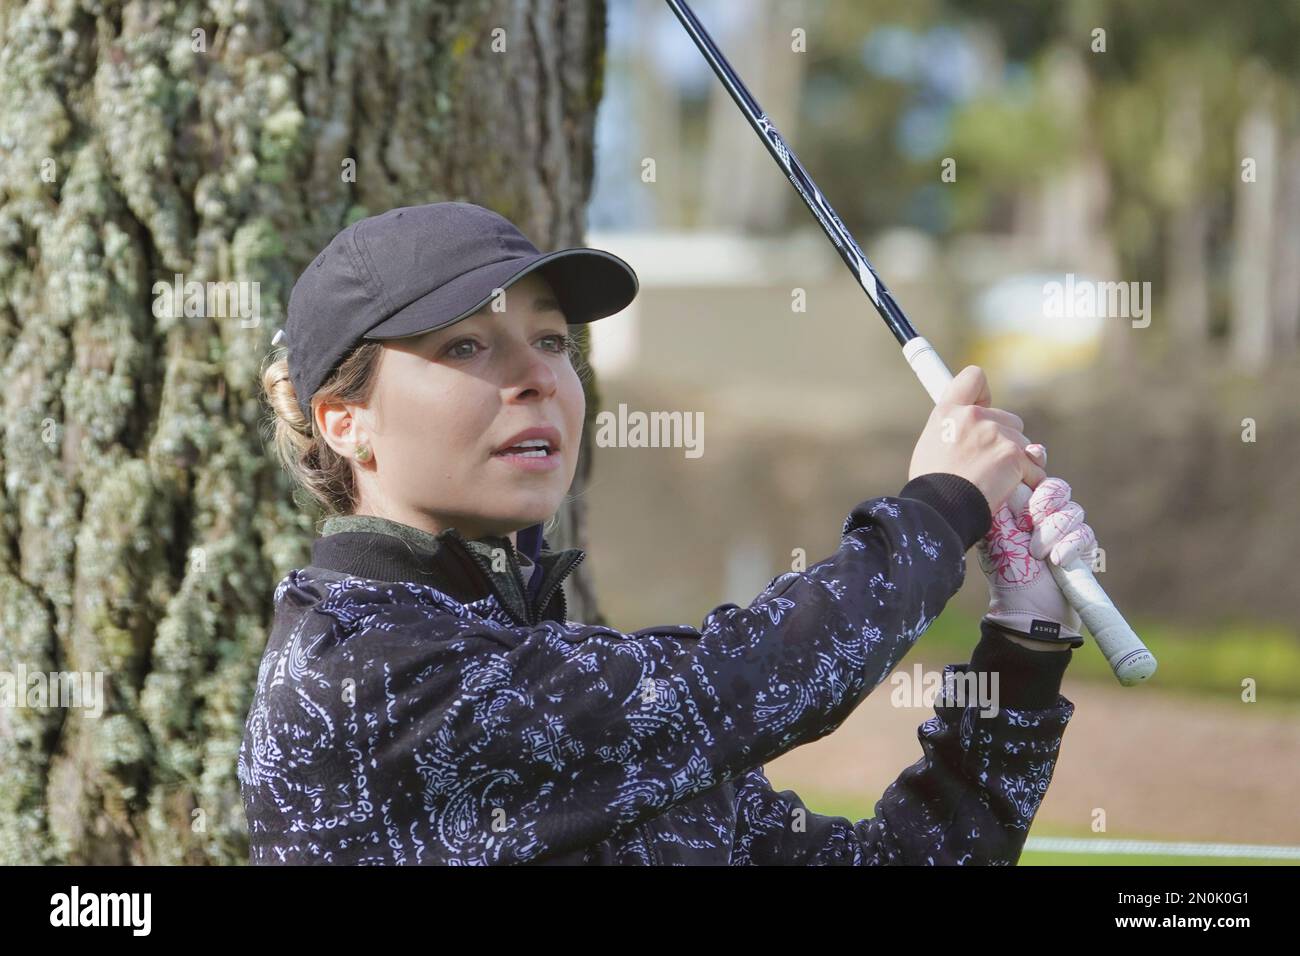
<point x="418" y="268"/>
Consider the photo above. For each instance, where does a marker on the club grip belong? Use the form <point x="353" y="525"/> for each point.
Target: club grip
<point x="1128" y="657"/>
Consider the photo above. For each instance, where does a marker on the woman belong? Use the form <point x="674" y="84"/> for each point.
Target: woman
<point x="423" y="698"/>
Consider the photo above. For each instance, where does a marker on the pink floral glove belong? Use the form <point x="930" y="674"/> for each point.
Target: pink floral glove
<point x="1023" y="595"/>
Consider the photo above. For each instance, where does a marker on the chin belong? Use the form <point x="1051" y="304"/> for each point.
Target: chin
<point x="527" y="514"/>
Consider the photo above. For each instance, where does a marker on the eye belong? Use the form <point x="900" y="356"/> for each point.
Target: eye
<point x="451" y="352"/>
<point x="563" y="340"/>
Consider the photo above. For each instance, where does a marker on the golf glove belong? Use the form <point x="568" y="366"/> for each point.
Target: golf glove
<point x="1023" y="595"/>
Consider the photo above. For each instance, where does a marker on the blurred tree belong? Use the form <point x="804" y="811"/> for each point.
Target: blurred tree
<point x="143" y="523"/>
<point x="865" y="77"/>
<point x="742" y="188"/>
<point x="1181" y="94"/>
<point x="1254" y="224"/>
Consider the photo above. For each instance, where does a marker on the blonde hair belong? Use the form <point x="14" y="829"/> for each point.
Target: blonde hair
<point x="310" y="461"/>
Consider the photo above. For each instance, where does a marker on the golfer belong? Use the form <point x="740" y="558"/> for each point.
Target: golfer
<point x="423" y="697"/>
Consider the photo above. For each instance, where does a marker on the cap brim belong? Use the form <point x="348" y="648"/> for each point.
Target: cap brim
<point x="589" y="284"/>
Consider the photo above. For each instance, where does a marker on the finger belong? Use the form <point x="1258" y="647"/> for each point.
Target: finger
<point x="1053" y="528"/>
<point x="1015" y="435"/>
<point x="1080" y="543"/>
<point x="1009" y="419"/>
<point x="1049" y="496"/>
<point x="968" y="387"/>
<point x="1033" y="476"/>
<point x="1030" y="472"/>
<point x="985" y="397"/>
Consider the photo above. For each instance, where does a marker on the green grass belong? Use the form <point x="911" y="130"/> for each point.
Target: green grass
<point x="1058" y="858"/>
<point x="1213" y="661"/>
<point x="1034" y="858"/>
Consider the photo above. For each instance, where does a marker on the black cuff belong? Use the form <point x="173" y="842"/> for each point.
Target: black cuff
<point x="1049" y="633"/>
<point x="1027" y="679"/>
<point x="962" y="504"/>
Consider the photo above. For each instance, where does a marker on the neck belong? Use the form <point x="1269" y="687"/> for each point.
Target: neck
<point x="422" y="521"/>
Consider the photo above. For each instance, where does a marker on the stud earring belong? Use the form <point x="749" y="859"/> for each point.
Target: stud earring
<point x="363" y="453"/>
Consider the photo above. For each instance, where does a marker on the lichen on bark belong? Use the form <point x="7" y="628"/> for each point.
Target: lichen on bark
<point x="143" y="522"/>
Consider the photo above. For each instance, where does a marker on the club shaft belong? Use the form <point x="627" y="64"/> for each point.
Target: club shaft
<point x="826" y="216"/>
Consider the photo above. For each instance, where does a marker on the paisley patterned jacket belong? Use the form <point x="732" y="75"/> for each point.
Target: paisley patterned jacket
<point x="415" y="705"/>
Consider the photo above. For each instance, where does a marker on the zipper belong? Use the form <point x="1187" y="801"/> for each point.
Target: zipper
<point x="518" y="575"/>
<point x="544" y="597"/>
<point x="484" y="568"/>
<point x="655" y="859"/>
<point x="533" y="614"/>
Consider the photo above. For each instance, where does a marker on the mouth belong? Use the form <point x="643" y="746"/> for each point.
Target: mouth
<point x="531" y="449"/>
<point x="531" y="443"/>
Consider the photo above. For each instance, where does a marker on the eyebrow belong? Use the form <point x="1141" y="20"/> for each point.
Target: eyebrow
<point x="543" y="303"/>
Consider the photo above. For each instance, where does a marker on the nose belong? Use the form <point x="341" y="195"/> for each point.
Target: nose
<point x="528" y="374"/>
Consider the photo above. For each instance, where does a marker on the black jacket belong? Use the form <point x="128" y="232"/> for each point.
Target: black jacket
<point x="415" y="705"/>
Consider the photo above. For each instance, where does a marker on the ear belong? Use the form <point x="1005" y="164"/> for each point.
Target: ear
<point x="341" y="427"/>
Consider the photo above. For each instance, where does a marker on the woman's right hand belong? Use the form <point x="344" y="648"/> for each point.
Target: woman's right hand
<point x="984" y="445"/>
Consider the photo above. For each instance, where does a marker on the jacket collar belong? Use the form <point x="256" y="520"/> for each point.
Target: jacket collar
<point x="465" y="569"/>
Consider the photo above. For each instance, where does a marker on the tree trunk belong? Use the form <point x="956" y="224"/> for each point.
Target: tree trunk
<point x="743" y="191"/>
<point x="1286" y="259"/>
<point x="143" y="524"/>
<point x="665" y="200"/>
<point x="1252" y="247"/>
<point x="1187" y="239"/>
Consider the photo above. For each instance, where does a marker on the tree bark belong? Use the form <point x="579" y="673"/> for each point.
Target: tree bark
<point x="143" y="524"/>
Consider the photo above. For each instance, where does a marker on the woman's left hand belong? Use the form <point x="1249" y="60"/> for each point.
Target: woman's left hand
<point x="1013" y="557"/>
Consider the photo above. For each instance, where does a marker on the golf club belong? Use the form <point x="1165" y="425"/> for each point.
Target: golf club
<point x="1128" y="657"/>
